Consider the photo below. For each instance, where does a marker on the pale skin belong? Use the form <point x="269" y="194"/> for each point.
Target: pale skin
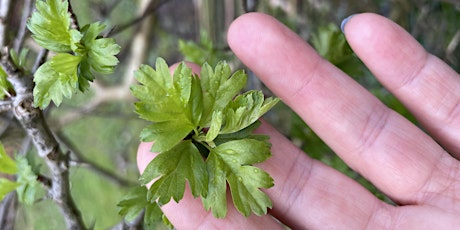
<point x="418" y="169"/>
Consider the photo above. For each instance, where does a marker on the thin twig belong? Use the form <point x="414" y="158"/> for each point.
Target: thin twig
<point x="22" y="31"/>
<point x="8" y="211"/>
<point x="153" y="6"/>
<point x="453" y="44"/>
<point x="40" y="59"/>
<point x="73" y="18"/>
<point x="34" y="123"/>
<point x="4" y="8"/>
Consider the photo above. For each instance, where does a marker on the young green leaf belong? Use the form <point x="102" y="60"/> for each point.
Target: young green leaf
<point x="56" y="79"/>
<point x="245" y="109"/>
<point x="6" y="186"/>
<point x="27" y="180"/>
<point x="219" y="88"/>
<point x="231" y="162"/>
<point x="5" y="85"/>
<point x="174" y="167"/>
<point x="50" y="25"/>
<point x="7" y="165"/>
<point x="100" y="51"/>
<point x="166" y="102"/>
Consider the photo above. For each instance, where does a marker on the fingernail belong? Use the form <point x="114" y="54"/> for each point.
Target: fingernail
<point x="344" y="22"/>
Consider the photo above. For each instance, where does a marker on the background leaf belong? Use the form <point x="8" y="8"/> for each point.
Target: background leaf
<point x="28" y="181"/>
<point x="231" y="162"/>
<point x="174" y="167"/>
<point x="6" y="186"/>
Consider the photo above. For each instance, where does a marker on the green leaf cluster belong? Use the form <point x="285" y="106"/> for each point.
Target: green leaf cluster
<point x="203" y="51"/>
<point x="79" y="53"/>
<point x="26" y="183"/>
<point x="202" y="130"/>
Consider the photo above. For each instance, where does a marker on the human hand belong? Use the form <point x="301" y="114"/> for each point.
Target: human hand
<point x="419" y="171"/>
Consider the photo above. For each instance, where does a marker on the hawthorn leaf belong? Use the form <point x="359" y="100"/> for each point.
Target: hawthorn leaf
<point x="246" y="133"/>
<point x="7" y="165"/>
<point x="56" y="79"/>
<point x="28" y="181"/>
<point x="100" y="51"/>
<point x="6" y="186"/>
<point x="219" y="88"/>
<point x="50" y="25"/>
<point x="171" y="169"/>
<point x="245" y="109"/>
<point x="168" y="103"/>
<point x="165" y="134"/>
<point x="216" y="123"/>
<point x="231" y="163"/>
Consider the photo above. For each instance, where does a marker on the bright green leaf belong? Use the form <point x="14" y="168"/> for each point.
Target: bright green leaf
<point x="214" y="129"/>
<point x="166" y="134"/>
<point x="27" y="180"/>
<point x="203" y="118"/>
<point x="50" y="25"/>
<point x="7" y="165"/>
<point x="6" y="186"/>
<point x="245" y="109"/>
<point x="166" y="102"/>
<point x="99" y="52"/>
<point x="172" y="168"/>
<point x="56" y="79"/>
<point x="231" y="163"/>
<point x="219" y="88"/>
<point x="5" y="85"/>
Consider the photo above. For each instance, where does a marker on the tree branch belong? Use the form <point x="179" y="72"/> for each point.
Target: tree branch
<point x="19" y="41"/>
<point x="8" y="211"/>
<point x="152" y="7"/>
<point x="4" y="8"/>
<point x="33" y="122"/>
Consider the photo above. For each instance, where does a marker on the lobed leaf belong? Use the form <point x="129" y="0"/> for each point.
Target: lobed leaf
<point x="245" y="110"/>
<point x="168" y="102"/>
<point x="231" y="163"/>
<point x="28" y="181"/>
<point x="173" y="168"/>
<point x="50" y="25"/>
<point x="219" y="88"/>
<point x="56" y="79"/>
